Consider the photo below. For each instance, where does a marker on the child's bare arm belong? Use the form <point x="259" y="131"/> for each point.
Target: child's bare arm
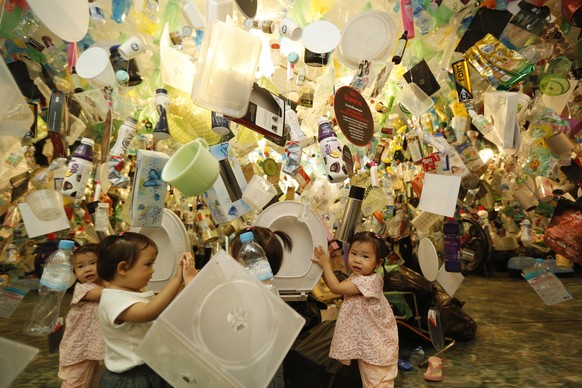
<point x="93" y="295"/>
<point x="344" y="288"/>
<point x="147" y="312"/>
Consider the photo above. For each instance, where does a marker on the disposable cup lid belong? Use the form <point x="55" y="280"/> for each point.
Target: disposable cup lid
<point x="321" y="37"/>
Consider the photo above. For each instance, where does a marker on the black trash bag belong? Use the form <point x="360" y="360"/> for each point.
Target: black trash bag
<point x="307" y="363"/>
<point x="457" y="324"/>
<point x="408" y="280"/>
<point x="310" y="309"/>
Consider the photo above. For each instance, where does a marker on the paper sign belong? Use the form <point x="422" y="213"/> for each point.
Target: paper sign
<point x="353" y="116"/>
<point x="439" y="194"/>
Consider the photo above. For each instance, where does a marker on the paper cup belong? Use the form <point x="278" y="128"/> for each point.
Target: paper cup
<point x="320" y="38"/>
<point x="132" y="47"/>
<point x="526" y="198"/>
<point x="94" y="66"/>
<point x="560" y="144"/>
<point x="289" y="29"/>
<point x="192" y="169"/>
<point x="544" y="188"/>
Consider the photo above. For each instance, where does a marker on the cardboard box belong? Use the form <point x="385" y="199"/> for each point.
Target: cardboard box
<point x="149" y="190"/>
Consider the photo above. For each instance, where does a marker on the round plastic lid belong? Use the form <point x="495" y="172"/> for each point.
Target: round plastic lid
<point x="370" y="35"/>
<point x="428" y="259"/>
<point x="321" y="37"/>
<point x="236" y="333"/>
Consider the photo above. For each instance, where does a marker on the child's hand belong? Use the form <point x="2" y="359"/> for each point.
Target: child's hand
<point x="320" y="257"/>
<point x="188" y="269"/>
<point x="179" y="271"/>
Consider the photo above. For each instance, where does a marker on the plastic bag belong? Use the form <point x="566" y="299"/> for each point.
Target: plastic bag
<point x="456" y="324"/>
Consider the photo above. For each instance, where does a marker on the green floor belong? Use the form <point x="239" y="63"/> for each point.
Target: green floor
<point x="520" y="341"/>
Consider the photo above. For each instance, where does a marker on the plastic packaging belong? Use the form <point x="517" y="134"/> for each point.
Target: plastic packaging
<point x="452" y="246"/>
<point x="79" y="170"/>
<point x="331" y="151"/>
<point x="57" y="276"/>
<point x="253" y="257"/>
<point x="407" y="20"/>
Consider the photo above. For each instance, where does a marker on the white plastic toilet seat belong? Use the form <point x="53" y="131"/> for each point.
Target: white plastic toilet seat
<point x="298" y="272"/>
<point x="172" y="241"/>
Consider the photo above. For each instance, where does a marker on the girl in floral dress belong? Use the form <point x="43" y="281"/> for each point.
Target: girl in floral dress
<point x="366" y="328"/>
<point x="81" y="350"/>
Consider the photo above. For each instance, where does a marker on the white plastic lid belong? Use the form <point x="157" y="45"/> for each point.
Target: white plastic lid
<point x="88" y="141"/>
<point x="370" y="35"/>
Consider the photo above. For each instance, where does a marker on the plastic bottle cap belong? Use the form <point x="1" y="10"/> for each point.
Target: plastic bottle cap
<point x="293" y="57"/>
<point x="122" y="75"/>
<point x="88" y="141"/>
<point x="322" y="120"/>
<point x="246" y="237"/>
<point x="66" y="244"/>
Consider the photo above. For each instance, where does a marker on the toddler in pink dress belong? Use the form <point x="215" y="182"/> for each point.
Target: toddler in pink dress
<point x="81" y="350"/>
<point x="366" y="328"/>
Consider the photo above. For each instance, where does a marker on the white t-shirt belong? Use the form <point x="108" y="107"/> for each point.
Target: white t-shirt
<point x="121" y="340"/>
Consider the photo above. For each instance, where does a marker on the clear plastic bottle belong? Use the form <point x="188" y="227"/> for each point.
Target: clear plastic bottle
<point x="57" y="276"/>
<point x="79" y="170"/>
<point x="253" y="257"/>
<point x="416" y="356"/>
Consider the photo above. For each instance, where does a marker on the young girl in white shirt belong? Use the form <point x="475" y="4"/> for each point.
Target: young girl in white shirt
<point x="127" y="311"/>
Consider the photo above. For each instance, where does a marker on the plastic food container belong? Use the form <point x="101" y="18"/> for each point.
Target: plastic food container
<point x="47" y="205"/>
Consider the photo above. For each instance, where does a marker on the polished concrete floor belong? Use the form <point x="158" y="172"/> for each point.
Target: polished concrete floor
<point x="520" y="341"/>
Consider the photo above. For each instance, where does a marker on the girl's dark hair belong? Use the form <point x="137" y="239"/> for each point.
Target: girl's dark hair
<point x="377" y="242"/>
<point x="89" y="248"/>
<point x="268" y="240"/>
<point x="112" y="250"/>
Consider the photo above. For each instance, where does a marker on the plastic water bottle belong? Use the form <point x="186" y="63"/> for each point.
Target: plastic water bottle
<point x="253" y="257"/>
<point x="57" y="276"/>
<point x="79" y="170"/>
<point x="416" y="356"/>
